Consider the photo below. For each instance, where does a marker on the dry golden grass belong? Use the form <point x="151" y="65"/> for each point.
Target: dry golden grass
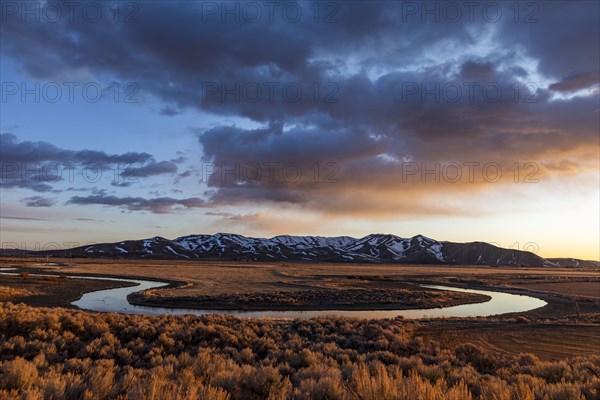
<point x="571" y="287"/>
<point x="216" y="278"/>
<point x="547" y="341"/>
<point x="68" y="354"/>
<point x="372" y="295"/>
<point x="62" y="354"/>
<point x="7" y="292"/>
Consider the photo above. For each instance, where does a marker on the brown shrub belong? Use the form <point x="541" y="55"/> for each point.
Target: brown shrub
<point x="18" y="374"/>
<point x="69" y="354"/>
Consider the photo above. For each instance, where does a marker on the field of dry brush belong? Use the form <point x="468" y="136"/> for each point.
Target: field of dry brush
<point x="70" y="354"/>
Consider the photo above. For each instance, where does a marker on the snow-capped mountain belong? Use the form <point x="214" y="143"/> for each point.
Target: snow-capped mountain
<point x="375" y="248"/>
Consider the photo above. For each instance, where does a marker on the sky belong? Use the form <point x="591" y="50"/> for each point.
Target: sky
<point x="461" y="121"/>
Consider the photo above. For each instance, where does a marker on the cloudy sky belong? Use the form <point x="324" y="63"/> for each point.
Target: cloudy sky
<point x="459" y="121"/>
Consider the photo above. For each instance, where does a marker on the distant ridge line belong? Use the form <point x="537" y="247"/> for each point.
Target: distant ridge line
<point x="374" y="249"/>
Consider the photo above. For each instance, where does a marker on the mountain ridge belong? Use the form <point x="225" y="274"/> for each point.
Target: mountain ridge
<point x="374" y="248"/>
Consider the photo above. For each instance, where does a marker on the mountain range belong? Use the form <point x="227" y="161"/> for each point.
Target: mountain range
<point x="374" y="248"/>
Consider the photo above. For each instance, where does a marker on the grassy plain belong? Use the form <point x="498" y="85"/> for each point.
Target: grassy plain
<point x="549" y="353"/>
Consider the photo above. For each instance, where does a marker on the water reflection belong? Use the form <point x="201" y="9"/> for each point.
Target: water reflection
<point x="115" y="300"/>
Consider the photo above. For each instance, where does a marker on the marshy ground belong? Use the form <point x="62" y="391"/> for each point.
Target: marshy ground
<point x="568" y="326"/>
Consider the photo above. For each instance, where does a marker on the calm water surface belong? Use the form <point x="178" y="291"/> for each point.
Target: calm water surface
<point x="115" y="300"/>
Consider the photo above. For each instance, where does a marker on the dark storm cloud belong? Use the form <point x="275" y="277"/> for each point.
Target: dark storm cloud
<point x="31" y="183"/>
<point x="366" y="81"/>
<point x="38" y="201"/>
<point x="577" y="81"/>
<point x="159" y="205"/>
<point x="478" y="72"/>
<point x="122" y="184"/>
<point x="407" y="124"/>
<point x="11" y="150"/>
<point x="178" y="53"/>
<point x="151" y="169"/>
<point x="40" y="165"/>
<point x="564" y="39"/>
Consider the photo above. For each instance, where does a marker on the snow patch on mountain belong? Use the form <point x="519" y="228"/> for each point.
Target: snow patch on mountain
<point x="374" y="248"/>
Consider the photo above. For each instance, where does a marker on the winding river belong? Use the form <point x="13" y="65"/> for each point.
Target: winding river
<point x="115" y="300"/>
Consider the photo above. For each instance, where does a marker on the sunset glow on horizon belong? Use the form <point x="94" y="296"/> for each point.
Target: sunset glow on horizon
<point x="334" y="121"/>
